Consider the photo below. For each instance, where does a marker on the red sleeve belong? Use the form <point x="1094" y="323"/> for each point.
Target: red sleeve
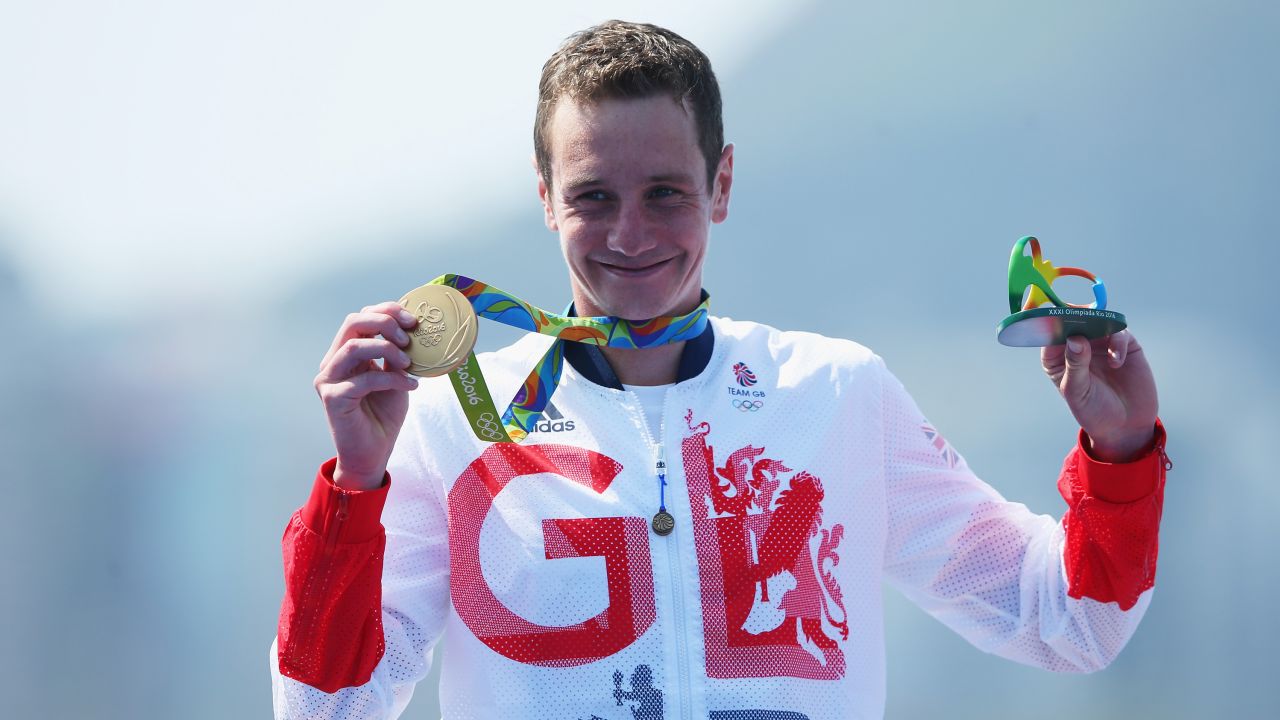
<point x="1112" y="522"/>
<point x="330" y="629"/>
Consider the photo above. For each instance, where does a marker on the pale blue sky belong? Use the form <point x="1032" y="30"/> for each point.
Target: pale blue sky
<point x="254" y="137"/>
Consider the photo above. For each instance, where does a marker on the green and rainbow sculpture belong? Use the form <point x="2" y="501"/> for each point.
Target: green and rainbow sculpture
<point x="1030" y="324"/>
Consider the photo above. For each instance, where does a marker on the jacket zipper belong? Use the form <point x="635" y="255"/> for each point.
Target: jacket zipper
<point x="682" y="659"/>
<point x="673" y="562"/>
<point x="335" y="522"/>
<point x="1164" y="458"/>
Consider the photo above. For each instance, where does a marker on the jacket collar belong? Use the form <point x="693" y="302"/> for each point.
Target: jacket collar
<point x="591" y="364"/>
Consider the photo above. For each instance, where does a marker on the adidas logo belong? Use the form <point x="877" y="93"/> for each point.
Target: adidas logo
<point x="552" y="421"/>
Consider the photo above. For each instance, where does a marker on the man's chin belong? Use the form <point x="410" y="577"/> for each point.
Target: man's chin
<point x="638" y="313"/>
<point x="626" y="309"/>
<point x="641" y="306"/>
<point x="637" y="317"/>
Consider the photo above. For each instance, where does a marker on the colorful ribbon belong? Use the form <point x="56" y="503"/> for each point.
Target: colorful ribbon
<point x="531" y="399"/>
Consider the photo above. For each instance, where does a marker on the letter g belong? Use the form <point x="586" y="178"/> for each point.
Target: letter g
<point x="623" y="542"/>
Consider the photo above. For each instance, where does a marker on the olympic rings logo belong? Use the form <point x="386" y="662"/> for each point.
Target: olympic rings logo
<point x="488" y="426"/>
<point x="748" y="405"/>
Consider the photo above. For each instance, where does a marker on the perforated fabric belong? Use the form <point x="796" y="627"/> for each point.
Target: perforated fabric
<point x="801" y="475"/>
<point x="651" y="398"/>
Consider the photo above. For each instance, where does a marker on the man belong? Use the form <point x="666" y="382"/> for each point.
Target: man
<point x="795" y="471"/>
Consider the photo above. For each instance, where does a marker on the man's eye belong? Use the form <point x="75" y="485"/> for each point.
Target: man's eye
<point x="664" y="192"/>
<point x="594" y="196"/>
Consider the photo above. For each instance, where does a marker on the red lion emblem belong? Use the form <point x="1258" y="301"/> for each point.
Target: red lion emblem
<point x="765" y="524"/>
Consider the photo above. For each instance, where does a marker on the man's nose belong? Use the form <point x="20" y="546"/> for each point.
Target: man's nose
<point x="631" y="234"/>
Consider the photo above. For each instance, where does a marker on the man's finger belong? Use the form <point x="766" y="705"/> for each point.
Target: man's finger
<point x="1075" y="382"/>
<point x="396" y="310"/>
<point x="1118" y="348"/>
<point x="370" y="323"/>
<point x="353" y="356"/>
<point x="1053" y="360"/>
<point x="344" y="397"/>
<point x="358" y="386"/>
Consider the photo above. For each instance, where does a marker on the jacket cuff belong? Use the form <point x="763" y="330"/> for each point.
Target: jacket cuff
<point x="345" y="516"/>
<point x="1121" y="482"/>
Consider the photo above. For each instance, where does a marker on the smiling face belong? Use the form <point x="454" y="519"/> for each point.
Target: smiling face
<point x="631" y="201"/>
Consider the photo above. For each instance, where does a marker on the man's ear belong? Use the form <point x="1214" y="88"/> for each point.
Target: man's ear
<point x="544" y="194"/>
<point x="723" y="183"/>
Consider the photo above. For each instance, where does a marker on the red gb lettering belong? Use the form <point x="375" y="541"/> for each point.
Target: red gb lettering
<point x="623" y="542"/>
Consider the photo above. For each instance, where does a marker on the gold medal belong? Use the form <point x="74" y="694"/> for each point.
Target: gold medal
<point x="446" y="330"/>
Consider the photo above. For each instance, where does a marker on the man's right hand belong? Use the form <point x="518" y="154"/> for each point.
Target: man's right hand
<point x="366" y="401"/>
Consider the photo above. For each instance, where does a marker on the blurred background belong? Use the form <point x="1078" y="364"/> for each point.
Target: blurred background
<point x="193" y="195"/>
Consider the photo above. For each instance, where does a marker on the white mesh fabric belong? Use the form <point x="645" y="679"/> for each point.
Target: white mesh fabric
<point x="989" y="569"/>
<point x="823" y="476"/>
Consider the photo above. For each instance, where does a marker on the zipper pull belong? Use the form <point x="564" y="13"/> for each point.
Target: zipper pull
<point x="1164" y="457"/>
<point x="663" y="522"/>
<point x="339" y="517"/>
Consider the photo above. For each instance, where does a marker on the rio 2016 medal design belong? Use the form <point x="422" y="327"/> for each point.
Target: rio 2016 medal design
<point x="445" y="333"/>
<point x="1029" y="324"/>
<point x="531" y="399"/>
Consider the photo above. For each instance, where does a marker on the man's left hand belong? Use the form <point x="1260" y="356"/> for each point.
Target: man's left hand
<point x="1110" y="390"/>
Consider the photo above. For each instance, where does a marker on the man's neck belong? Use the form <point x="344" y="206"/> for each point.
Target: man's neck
<point x="658" y="365"/>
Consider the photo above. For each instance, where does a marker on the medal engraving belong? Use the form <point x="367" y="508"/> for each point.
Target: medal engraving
<point x="445" y="333"/>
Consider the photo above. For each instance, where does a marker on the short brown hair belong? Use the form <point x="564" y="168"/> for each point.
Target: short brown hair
<point x="618" y="59"/>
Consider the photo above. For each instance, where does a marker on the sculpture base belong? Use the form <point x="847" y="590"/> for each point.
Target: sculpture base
<point x="1044" y="326"/>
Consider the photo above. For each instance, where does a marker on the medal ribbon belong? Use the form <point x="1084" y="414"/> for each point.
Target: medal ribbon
<point x="531" y="399"/>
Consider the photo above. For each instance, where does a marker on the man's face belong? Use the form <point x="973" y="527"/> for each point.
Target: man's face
<point x="631" y="202"/>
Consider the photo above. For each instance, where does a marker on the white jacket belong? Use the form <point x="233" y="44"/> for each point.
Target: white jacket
<point x="800" y="475"/>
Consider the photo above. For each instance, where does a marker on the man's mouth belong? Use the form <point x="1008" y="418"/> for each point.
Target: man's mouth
<point x="635" y="271"/>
